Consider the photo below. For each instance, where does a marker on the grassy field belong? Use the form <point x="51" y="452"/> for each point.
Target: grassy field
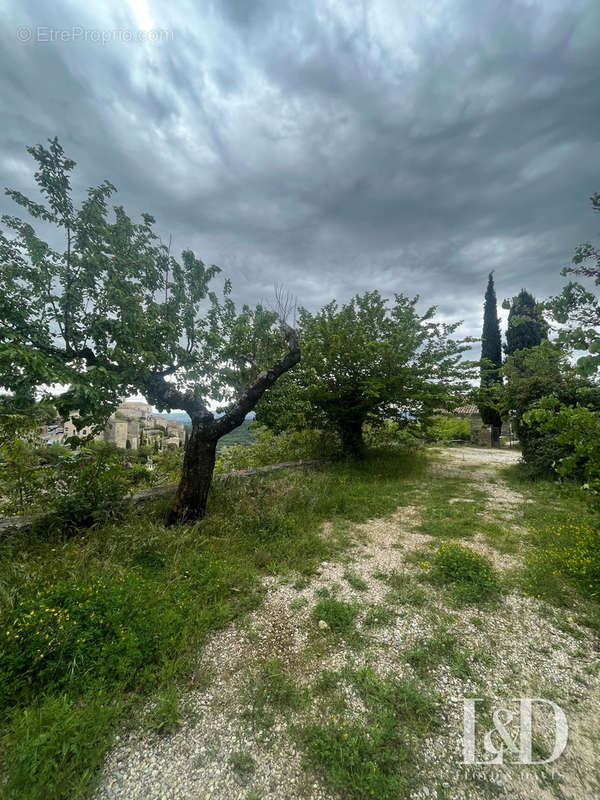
<point x="96" y="626"/>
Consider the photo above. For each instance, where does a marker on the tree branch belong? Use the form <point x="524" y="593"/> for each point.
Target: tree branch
<point x="264" y="381"/>
<point x="166" y="394"/>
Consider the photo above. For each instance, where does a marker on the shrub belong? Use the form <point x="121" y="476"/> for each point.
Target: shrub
<point x="22" y="477"/>
<point x="446" y="428"/>
<point x="89" y="488"/>
<point x="392" y="434"/>
<point x="470" y="574"/>
<point x="274" y="448"/>
<point x="575" y="435"/>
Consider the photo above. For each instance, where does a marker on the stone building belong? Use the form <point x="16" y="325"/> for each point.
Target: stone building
<point x="478" y="435"/>
<point x="132" y="422"/>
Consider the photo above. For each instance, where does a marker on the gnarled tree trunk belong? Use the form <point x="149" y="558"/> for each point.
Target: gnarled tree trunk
<point x="200" y="450"/>
<point x="196" y="477"/>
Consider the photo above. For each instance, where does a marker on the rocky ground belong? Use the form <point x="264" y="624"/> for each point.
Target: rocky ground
<point x="226" y="750"/>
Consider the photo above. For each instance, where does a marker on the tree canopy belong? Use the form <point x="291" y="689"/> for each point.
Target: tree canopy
<point x="367" y="361"/>
<point x="578" y="307"/>
<point x="106" y="311"/>
<point x="491" y="357"/>
<point x="526" y="324"/>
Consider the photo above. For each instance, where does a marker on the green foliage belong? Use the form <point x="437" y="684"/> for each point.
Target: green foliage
<point x="471" y="575"/>
<point x="568" y="553"/>
<point x="446" y="428"/>
<point x="491" y="355"/>
<point x="405" y="590"/>
<point x="356" y="582"/>
<point x="22" y="477"/>
<point x="373" y="756"/>
<point x="89" y="487"/>
<point x="578" y="309"/>
<point x="55" y="746"/>
<point x="164" y="594"/>
<point x="366" y="362"/>
<point x="575" y="432"/>
<point x="77" y="488"/>
<point x="73" y="632"/>
<point x="389" y="433"/>
<point x="23" y="481"/>
<point x="340" y="616"/>
<point x="242" y="762"/>
<point x="531" y="375"/>
<point x="526" y="324"/>
<point x="378" y="617"/>
<point x="272" y="448"/>
<point x="165" y="716"/>
<point x="115" y="313"/>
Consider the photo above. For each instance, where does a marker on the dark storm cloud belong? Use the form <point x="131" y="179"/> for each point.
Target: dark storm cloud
<point x="331" y="147"/>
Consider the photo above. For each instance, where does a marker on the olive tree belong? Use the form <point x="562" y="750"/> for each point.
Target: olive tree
<point x="110" y="312"/>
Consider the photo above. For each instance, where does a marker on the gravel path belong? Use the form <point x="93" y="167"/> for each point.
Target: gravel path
<point x="520" y="652"/>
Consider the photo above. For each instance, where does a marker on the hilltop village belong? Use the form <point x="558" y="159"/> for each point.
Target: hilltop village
<point x="131" y="425"/>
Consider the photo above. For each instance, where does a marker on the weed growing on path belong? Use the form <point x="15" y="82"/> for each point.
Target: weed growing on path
<point x="471" y="577"/>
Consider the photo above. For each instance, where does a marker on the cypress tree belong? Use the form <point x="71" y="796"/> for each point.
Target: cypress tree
<point x="491" y="356"/>
<point x="526" y="326"/>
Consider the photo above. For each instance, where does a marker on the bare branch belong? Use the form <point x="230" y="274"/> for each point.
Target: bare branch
<point x="285" y="305"/>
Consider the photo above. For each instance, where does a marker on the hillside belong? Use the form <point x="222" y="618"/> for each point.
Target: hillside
<point x="242" y="435"/>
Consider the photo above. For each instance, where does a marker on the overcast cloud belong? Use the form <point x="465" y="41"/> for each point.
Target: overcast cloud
<point x="331" y="147"/>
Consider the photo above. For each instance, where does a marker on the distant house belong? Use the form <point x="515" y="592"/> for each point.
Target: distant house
<point x="471" y="412"/>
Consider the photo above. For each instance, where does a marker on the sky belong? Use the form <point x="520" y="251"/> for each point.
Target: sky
<point x="328" y="147"/>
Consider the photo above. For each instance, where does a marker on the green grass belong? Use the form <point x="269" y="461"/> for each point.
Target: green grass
<point x="301" y="583"/>
<point x="378" y="617"/>
<point x="427" y="655"/>
<point x="356" y="582"/>
<point x="339" y="616"/>
<point x="136" y="600"/>
<point x="298" y="603"/>
<point x="405" y="591"/>
<point x="466" y="516"/>
<point x="374" y="755"/>
<point x="562" y="563"/>
<point x="270" y="691"/>
<point x="456" y="520"/>
<point x="242" y="762"/>
<point x="469" y="575"/>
